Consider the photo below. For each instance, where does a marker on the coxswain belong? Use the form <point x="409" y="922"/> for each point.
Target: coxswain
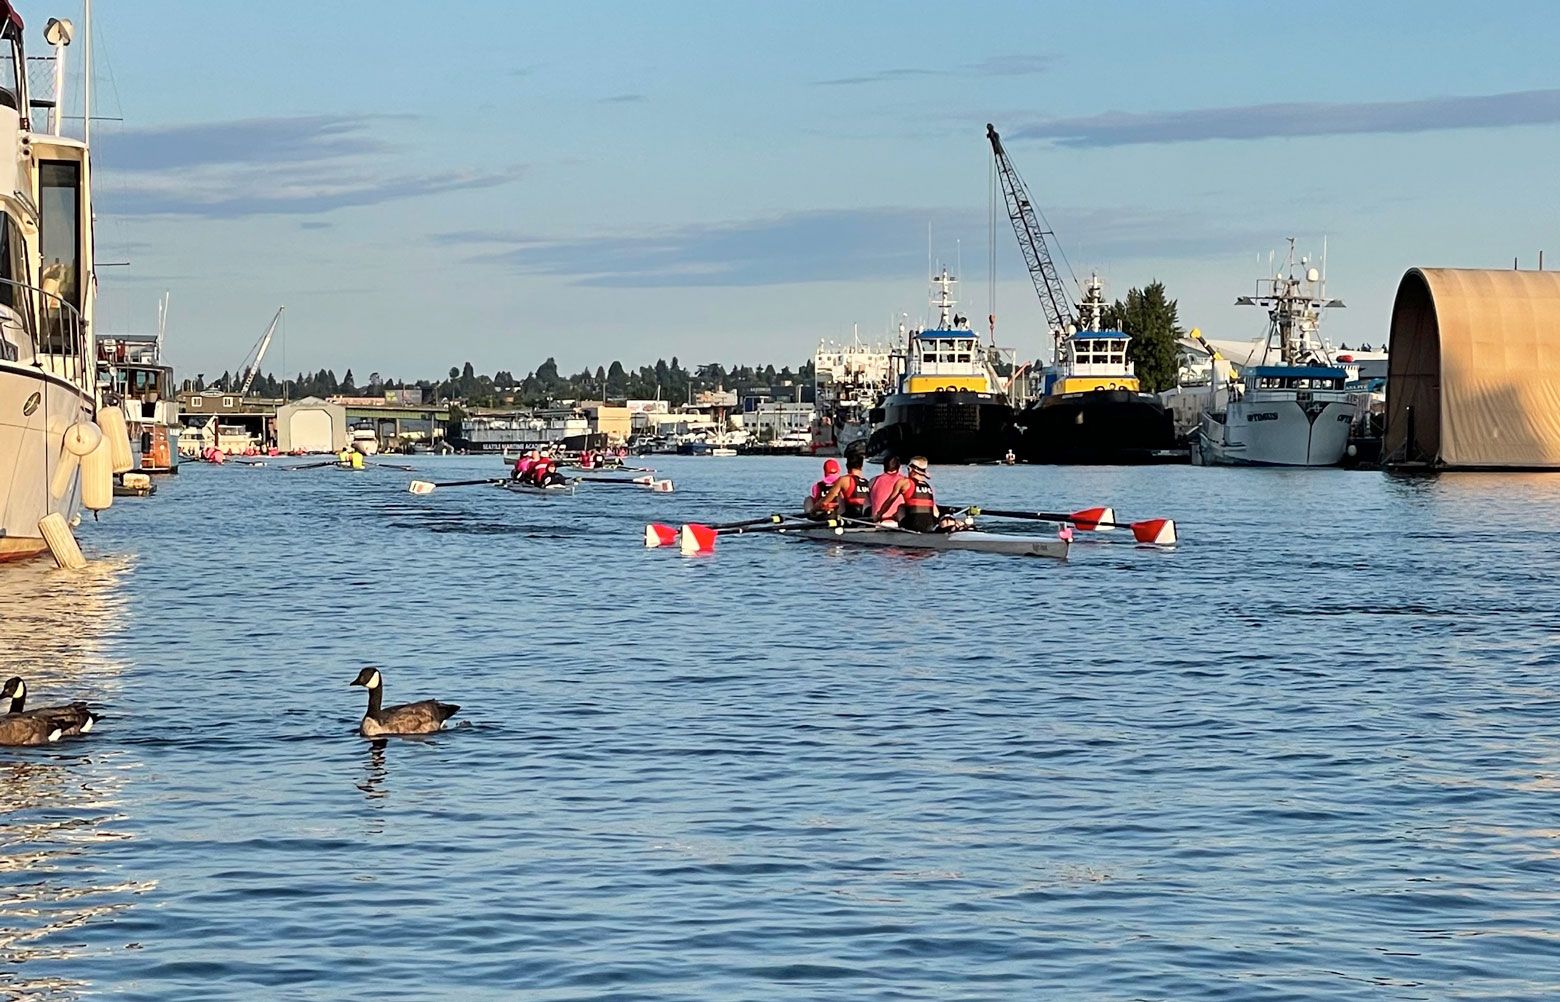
<point x="544" y="472"/>
<point x="885" y="495"/>
<point x="848" y="496"/>
<point x="831" y="473"/>
<point x="920" y="512"/>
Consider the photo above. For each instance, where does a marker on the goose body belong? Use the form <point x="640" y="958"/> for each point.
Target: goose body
<point x="26" y="729"/>
<point x="72" y="718"/>
<point x="424" y="717"/>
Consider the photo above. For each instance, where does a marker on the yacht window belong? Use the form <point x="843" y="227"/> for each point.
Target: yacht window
<point x="59" y="183"/>
<point x="964" y="358"/>
<point x="13" y="266"/>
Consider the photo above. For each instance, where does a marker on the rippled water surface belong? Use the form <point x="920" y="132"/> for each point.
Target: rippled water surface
<point x="1312" y="753"/>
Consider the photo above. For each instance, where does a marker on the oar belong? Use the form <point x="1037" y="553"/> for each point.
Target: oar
<point x="424" y="487"/>
<point x="657" y="534"/>
<point x="1158" y="531"/>
<point x="701" y="538"/>
<point x="312" y="466"/>
<point x="393" y="466"/>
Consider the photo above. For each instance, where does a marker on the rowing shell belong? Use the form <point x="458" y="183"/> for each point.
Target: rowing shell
<point x="980" y="542"/>
<point x="519" y="488"/>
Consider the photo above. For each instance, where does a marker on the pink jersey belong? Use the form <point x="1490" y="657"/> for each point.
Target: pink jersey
<point x="883" y="488"/>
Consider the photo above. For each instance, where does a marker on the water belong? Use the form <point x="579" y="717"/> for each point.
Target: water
<point x="1313" y="753"/>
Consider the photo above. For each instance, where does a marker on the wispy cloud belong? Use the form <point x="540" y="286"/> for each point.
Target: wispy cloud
<point x="265" y="166"/>
<point x="1265" y="121"/>
<point x="823" y="246"/>
<point x="624" y="99"/>
<point x="992" y="66"/>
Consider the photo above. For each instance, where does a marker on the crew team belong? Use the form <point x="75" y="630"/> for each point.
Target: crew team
<point x="899" y="497"/>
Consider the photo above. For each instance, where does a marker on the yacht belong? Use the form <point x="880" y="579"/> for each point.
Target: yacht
<point x="364" y="439"/>
<point x="1094" y="410"/>
<point x="1292" y="408"/>
<point x="48" y="286"/>
<point x="950" y="405"/>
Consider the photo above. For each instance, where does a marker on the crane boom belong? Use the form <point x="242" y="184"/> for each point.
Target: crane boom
<point x="259" y="353"/>
<point x="1032" y="243"/>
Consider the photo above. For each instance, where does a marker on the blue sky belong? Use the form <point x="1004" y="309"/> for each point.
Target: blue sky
<point x="426" y="184"/>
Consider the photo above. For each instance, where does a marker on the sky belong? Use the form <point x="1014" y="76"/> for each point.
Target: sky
<point x="497" y="182"/>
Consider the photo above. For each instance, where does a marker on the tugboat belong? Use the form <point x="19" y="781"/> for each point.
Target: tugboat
<point x="950" y="406"/>
<point x="1094" y="410"/>
<point x="1293" y="410"/>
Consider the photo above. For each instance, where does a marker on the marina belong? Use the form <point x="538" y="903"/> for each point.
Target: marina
<point x="1137" y="639"/>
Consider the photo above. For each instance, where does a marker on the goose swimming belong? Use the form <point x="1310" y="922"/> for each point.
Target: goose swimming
<point x="72" y="718"/>
<point x="426" y="717"/>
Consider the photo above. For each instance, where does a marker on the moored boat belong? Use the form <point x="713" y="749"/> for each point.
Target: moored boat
<point x="48" y="286"/>
<point x="950" y="405"/>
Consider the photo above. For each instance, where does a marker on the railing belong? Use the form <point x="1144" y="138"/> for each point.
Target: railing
<point x="58" y="344"/>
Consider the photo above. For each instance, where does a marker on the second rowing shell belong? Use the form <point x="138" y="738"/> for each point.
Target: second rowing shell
<point x="979" y="542"/>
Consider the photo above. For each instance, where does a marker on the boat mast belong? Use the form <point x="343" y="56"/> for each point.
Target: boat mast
<point x="86" y="75"/>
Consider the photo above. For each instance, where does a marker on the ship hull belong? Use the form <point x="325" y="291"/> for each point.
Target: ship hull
<point x="1099" y="428"/>
<point x="959" y="426"/>
<point x="1278" y="433"/>
<point x="35" y="410"/>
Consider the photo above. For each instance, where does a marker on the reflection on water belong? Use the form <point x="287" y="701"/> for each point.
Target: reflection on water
<point x="61" y="804"/>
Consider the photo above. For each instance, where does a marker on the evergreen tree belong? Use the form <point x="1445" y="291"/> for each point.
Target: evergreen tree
<point x="1152" y="321"/>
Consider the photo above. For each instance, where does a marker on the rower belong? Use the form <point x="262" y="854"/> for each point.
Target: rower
<point x="1010" y="458"/>
<point x="848" y="496"/>
<point x="884" y="496"/>
<point x="355" y="460"/>
<point x="831" y="473"/>
<point x="920" y="512"/>
<point x="523" y="465"/>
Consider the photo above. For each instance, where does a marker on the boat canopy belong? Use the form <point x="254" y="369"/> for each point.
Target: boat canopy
<point x="1473" y="374"/>
<point x="10" y="17"/>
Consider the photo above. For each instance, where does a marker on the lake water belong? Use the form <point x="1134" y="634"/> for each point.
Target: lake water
<point x="1313" y="753"/>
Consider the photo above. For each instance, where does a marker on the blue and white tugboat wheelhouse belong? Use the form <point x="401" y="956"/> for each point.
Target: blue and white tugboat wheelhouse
<point x="950" y="406"/>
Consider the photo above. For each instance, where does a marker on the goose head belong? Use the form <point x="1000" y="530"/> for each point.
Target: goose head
<point x="368" y="678"/>
<point x="14" y="688"/>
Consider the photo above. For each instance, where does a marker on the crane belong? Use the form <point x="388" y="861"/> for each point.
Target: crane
<point x="248" y="368"/>
<point x="1054" y="299"/>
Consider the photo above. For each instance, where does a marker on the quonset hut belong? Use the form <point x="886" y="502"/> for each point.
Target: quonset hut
<point x="1473" y="377"/>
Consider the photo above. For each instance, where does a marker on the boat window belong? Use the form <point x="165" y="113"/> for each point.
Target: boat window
<point x="929" y="357"/>
<point x="13" y="266"/>
<point x="59" y="183"/>
<point x="964" y="357"/>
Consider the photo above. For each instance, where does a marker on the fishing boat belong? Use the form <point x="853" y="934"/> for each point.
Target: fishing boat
<point x="48" y="286"/>
<point x="1292" y="408"/>
<point x="132" y="377"/>
<point x="950" y="405"/>
<point x="1094" y="410"/>
<point x="975" y="540"/>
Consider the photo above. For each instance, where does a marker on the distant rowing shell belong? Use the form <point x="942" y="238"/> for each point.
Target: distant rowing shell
<point x="973" y="540"/>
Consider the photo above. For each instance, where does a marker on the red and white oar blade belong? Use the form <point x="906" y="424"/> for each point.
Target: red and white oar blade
<point x="421" y="487"/>
<point x="659" y="535"/>
<point x="661" y="487"/>
<point x="1089" y="519"/>
<point x="698" y="539"/>
<point x="1155" y="531"/>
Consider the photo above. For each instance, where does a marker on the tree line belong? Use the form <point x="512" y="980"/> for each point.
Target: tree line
<point x="542" y="386"/>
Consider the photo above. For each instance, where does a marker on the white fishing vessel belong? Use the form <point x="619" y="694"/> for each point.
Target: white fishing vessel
<point x="1291" y="408"/>
<point x="47" y="290"/>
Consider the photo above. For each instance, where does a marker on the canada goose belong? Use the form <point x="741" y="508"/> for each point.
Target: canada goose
<point x="425" y="717"/>
<point x="24" y="729"/>
<point x="73" y="718"/>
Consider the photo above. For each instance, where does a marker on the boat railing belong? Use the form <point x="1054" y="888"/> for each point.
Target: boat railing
<point x="56" y="341"/>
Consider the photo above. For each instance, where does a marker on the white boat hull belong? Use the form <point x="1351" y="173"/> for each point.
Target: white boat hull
<point x="35" y="410"/>
<point x="977" y="541"/>
<point x="1277" y="433"/>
